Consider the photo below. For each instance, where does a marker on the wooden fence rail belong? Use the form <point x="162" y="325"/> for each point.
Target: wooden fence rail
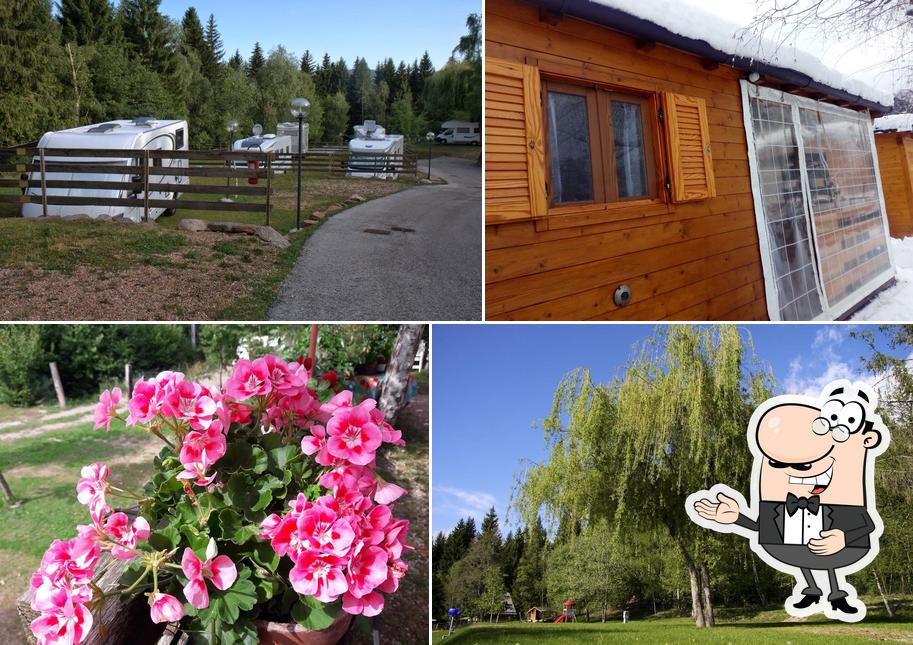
<point x="144" y="171"/>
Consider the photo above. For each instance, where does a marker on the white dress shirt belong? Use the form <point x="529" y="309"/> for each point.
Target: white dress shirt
<point x="801" y="526"/>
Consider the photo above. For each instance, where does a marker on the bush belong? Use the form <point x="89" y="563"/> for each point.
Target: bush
<point x="22" y="360"/>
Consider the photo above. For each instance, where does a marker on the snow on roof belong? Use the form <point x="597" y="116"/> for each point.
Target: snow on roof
<point x="691" y="22"/>
<point x="894" y="123"/>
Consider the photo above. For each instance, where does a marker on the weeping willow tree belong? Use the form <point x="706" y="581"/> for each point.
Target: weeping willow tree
<point x="632" y="450"/>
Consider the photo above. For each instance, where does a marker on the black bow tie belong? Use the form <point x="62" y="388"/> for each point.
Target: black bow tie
<point x="793" y="503"/>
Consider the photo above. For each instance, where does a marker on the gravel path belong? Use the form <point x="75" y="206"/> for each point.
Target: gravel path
<point x="415" y="255"/>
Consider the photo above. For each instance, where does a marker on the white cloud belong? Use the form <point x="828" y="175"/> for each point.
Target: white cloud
<point x="476" y="500"/>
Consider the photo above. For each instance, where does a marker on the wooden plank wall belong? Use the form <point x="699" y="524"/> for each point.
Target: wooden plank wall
<point x="694" y="261"/>
<point x="895" y="156"/>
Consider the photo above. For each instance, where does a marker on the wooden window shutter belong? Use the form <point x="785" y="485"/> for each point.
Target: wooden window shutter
<point x="688" y="140"/>
<point x="514" y="142"/>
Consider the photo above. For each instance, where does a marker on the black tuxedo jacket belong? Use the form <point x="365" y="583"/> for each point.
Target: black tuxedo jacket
<point x="854" y="521"/>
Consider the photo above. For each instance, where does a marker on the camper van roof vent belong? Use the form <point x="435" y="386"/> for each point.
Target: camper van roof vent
<point x="145" y="120"/>
<point x="370" y="126"/>
<point x="252" y="142"/>
<point x="104" y="127"/>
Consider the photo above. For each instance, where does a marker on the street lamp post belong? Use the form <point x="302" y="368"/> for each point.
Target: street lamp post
<point x="429" y="137"/>
<point x="300" y="110"/>
<point x="232" y="126"/>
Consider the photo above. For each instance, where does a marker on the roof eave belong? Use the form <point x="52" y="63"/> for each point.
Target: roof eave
<point x="646" y="30"/>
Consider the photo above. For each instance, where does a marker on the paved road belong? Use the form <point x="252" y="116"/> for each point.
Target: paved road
<point x="431" y="271"/>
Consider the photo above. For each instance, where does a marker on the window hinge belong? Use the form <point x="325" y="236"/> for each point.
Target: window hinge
<point x="668" y="183"/>
<point x="662" y="117"/>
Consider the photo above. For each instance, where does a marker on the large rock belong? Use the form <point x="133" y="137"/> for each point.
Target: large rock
<point x="356" y="199"/>
<point x="194" y="225"/>
<point x="272" y="236"/>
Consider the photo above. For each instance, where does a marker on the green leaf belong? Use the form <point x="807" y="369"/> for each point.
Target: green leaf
<point x="264" y="555"/>
<point x="310" y="613"/>
<point x="241" y="596"/>
<point x="279" y="457"/>
<point x="238" y="493"/>
<point x="165" y="538"/>
<point x="260" y="460"/>
<point x="238" y="456"/>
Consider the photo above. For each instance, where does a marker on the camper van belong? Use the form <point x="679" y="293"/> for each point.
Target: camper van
<point x="459" y="132"/>
<point x="280" y="144"/>
<point x="290" y="129"/>
<point x="369" y="150"/>
<point x="142" y="133"/>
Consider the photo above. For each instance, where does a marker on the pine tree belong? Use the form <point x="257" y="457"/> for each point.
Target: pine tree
<point x="256" y="61"/>
<point x="307" y="62"/>
<point x="212" y="52"/>
<point x="425" y="67"/>
<point x="86" y="21"/>
<point x="147" y="32"/>
<point x="236" y="61"/>
<point x="192" y="38"/>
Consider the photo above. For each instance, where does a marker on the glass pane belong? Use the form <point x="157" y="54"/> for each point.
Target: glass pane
<point x="630" y="164"/>
<point x="569" y="147"/>
<point x="844" y="202"/>
<point x="785" y="214"/>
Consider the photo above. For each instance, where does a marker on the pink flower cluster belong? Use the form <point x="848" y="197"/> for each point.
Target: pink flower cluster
<point x="61" y="586"/>
<point x="342" y="544"/>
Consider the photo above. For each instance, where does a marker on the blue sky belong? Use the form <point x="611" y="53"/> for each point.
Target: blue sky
<point x="401" y="29"/>
<point x="490" y="383"/>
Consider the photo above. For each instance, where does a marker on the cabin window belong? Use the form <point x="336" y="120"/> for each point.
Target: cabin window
<point x="179" y="138"/>
<point x="599" y="145"/>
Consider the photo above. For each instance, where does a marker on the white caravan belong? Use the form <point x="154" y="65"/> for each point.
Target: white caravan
<point x="280" y="144"/>
<point x="142" y="133"/>
<point x="459" y="132"/>
<point x="290" y="129"/>
<point x="369" y="150"/>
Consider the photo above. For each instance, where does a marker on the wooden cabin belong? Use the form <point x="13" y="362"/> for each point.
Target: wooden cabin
<point x="634" y="173"/>
<point x="894" y="142"/>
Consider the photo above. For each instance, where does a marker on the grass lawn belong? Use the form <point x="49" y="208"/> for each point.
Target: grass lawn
<point x="773" y="626"/>
<point x="42" y="471"/>
<point x="84" y="270"/>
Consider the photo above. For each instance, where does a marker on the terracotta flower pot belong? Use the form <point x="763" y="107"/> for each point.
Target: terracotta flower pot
<point x="273" y="633"/>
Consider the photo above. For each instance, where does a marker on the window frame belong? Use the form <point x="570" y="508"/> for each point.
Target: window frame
<point x="602" y="144"/>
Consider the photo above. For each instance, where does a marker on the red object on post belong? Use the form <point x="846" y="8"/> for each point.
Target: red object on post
<point x="253" y="165"/>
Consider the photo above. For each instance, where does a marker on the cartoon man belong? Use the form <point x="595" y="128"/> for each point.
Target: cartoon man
<point x="812" y="494"/>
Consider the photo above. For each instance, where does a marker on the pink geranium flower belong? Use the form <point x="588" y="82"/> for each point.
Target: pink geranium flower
<point x="395" y="572"/>
<point x="386" y="492"/>
<point x="144" y="404"/>
<point x="352" y="434"/>
<point x="197" y="474"/>
<point x="321" y="529"/>
<point x="92" y="489"/>
<point x="218" y="568"/>
<point x="248" y="379"/>
<point x="192" y="403"/>
<point x="286" y="378"/>
<point x="367" y="570"/>
<point x="341" y="400"/>
<point x="106" y="410"/>
<point x="319" y="575"/>
<point x="317" y="443"/>
<point x="204" y="448"/>
<point x="63" y="620"/>
<point x="73" y="560"/>
<point x="165" y="608"/>
<point x="119" y="529"/>
<point x="368" y="605"/>
<point x="268" y="526"/>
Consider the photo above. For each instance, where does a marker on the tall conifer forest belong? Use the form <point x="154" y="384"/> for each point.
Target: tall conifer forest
<point x="87" y="61"/>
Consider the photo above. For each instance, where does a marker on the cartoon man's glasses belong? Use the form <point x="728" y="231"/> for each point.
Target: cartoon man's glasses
<point x="840" y="419"/>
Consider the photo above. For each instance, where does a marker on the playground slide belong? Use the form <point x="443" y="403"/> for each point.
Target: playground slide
<point x="560" y="619"/>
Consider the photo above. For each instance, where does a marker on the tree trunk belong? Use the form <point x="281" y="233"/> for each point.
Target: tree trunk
<point x="697" y="606"/>
<point x="884" y="599"/>
<point x="705" y="597"/>
<point x="757" y="580"/>
<point x="396" y="380"/>
<point x="603" y="611"/>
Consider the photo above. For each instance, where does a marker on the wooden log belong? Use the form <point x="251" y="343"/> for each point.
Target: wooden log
<point x="131" y="186"/>
<point x="119" y="622"/>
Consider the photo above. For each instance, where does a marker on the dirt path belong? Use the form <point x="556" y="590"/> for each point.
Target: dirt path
<point x="81" y="416"/>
